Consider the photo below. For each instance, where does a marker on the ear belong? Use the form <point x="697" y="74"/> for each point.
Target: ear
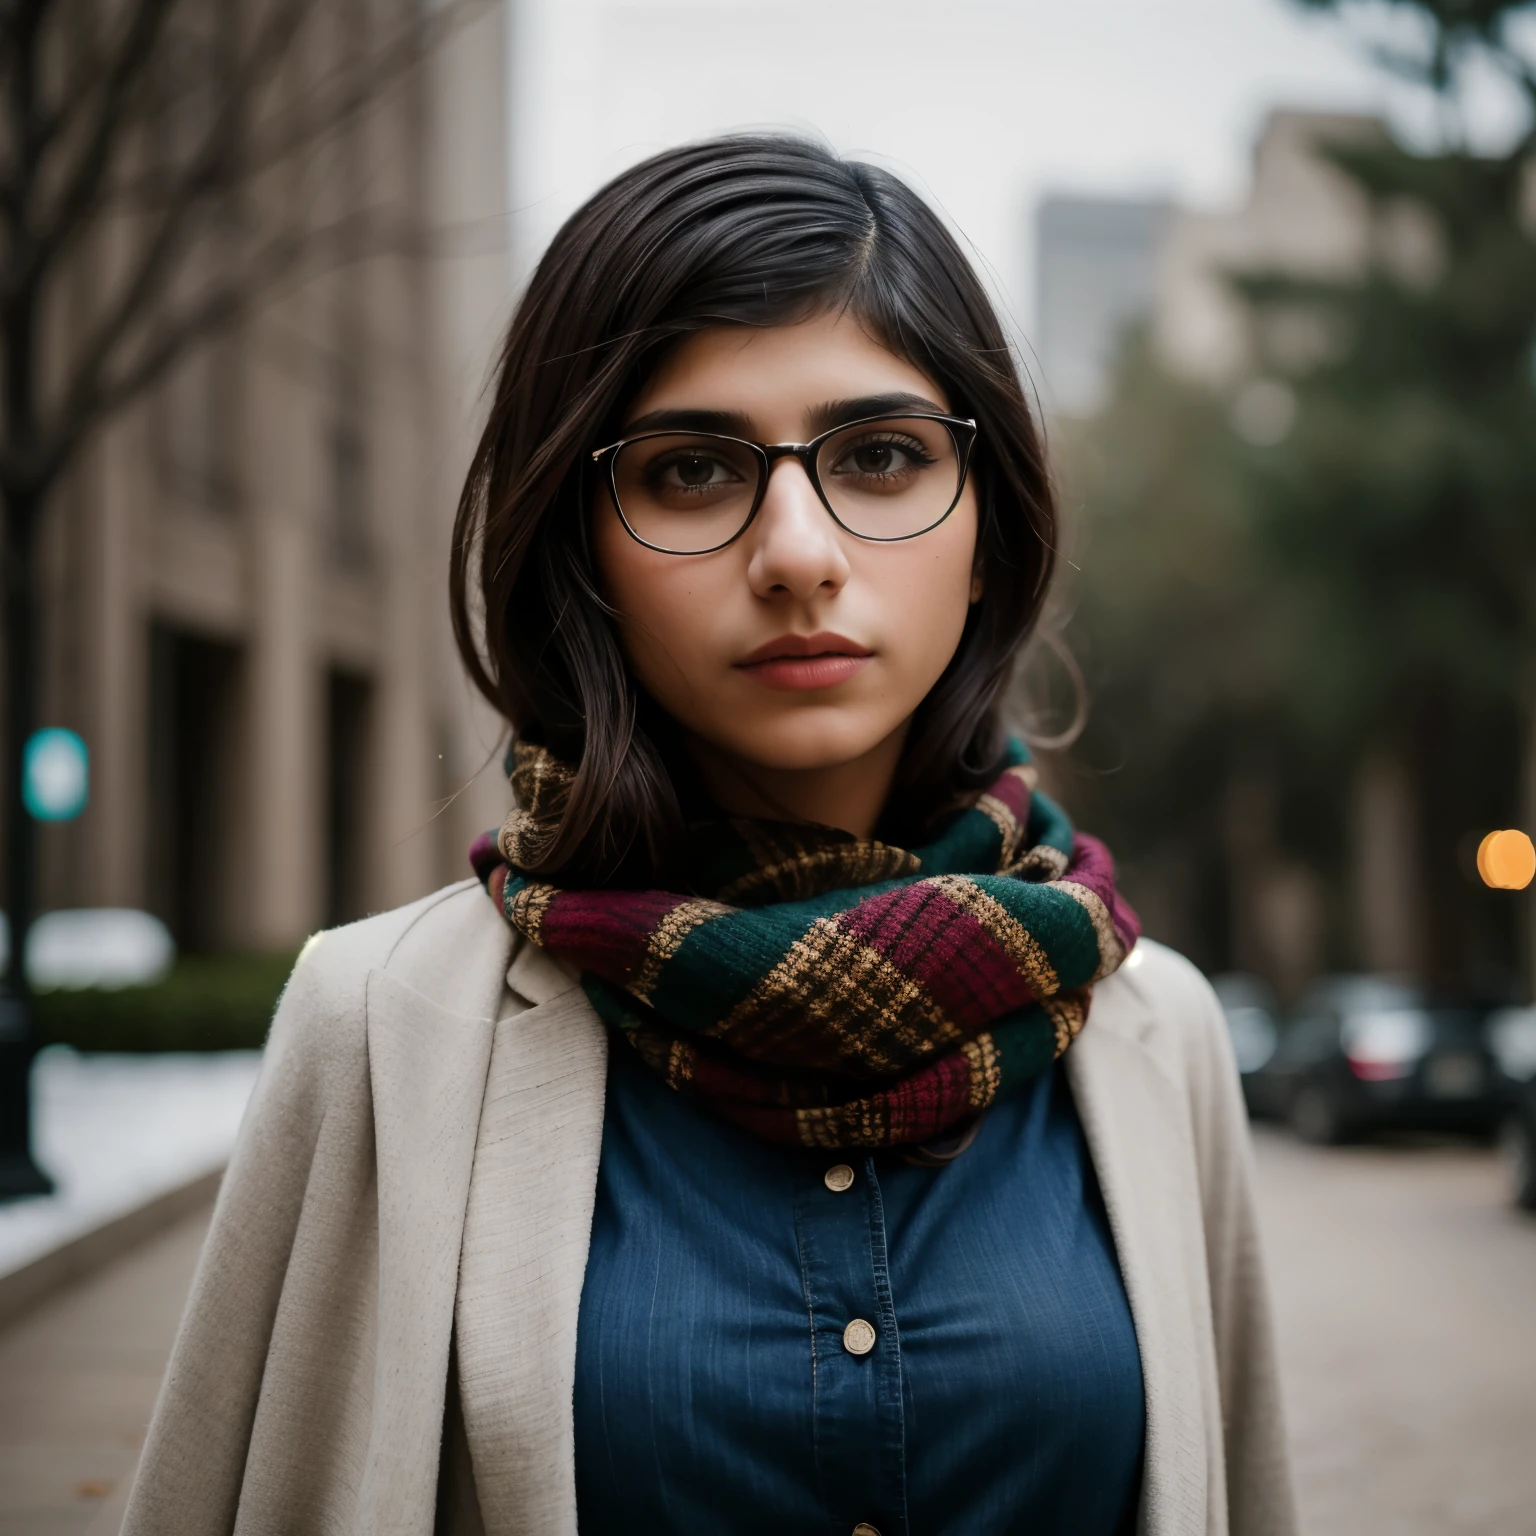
<point x="978" y="586"/>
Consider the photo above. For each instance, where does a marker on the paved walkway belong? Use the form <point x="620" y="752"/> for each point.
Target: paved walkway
<point x="1406" y="1291"/>
<point x="78" y="1377"/>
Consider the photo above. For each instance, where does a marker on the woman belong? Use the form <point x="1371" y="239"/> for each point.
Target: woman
<point x="705" y="1163"/>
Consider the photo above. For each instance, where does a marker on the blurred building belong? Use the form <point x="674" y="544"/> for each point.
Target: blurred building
<point x="246" y="578"/>
<point x="1096" y="268"/>
<point x="1107" y="264"/>
<point x="1302" y="216"/>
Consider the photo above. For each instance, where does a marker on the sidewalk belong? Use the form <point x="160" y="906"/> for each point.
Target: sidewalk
<point x="94" y="1276"/>
<point x="78" y="1378"/>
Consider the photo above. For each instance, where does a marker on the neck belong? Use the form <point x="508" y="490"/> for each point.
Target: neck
<point x="848" y="795"/>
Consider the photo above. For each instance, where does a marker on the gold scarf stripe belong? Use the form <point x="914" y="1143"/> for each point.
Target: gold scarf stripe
<point x="528" y="909"/>
<point x="1009" y="827"/>
<point x="680" y="1061"/>
<point x="1111" y="951"/>
<point x="541" y="784"/>
<point x="1041" y="859"/>
<point x="829" y="981"/>
<point x="1067" y="1014"/>
<point x="539" y="778"/>
<point x="1011" y="935"/>
<point x="670" y="1057"/>
<point x="986" y="1070"/>
<point x="801" y="873"/>
<point x="860" y="1123"/>
<point x="523" y="838"/>
<point x="667" y="937"/>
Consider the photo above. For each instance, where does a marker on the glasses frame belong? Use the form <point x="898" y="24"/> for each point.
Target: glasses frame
<point x="962" y="431"/>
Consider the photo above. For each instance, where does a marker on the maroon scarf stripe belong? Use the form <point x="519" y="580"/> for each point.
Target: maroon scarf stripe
<point x="1011" y="789"/>
<point x="945" y="950"/>
<point x="1093" y="868"/>
<point x="606" y="933"/>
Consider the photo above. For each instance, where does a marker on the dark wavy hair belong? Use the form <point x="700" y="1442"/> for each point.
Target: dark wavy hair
<point x="743" y="230"/>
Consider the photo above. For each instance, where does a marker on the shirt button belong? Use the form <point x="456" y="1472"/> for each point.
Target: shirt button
<point x="864" y="1528"/>
<point x="859" y="1337"/>
<point x="838" y="1177"/>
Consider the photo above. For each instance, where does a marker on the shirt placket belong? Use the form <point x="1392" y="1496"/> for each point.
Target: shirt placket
<point x="859" y="1429"/>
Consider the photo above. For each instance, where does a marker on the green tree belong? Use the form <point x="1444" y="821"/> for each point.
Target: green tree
<point x="1399" y="515"/>
<point x="1165" y="626"/>
<point x="1278" y="615"/>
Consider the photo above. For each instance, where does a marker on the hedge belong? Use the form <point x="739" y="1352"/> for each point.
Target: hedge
<point x="206" y="1003"/>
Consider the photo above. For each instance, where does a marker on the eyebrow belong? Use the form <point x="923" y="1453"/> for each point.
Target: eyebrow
<point x="819" y="418"/>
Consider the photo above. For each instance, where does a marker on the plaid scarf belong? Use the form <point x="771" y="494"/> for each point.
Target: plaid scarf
<point x="827" y="990"/>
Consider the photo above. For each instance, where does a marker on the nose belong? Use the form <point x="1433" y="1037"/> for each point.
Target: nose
<point x="796" y="549"/>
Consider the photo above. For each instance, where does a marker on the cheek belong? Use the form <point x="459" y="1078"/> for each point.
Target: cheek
<point x="662" y="621"/>
<point x="925" y="593"/>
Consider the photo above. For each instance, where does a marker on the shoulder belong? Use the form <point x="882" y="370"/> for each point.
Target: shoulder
<point x="1162" y="1002"/>
<point x="451" y="946"/>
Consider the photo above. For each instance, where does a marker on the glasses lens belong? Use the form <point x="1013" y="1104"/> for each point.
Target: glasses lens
<point x="686" y="492"/>
<point x="892" y="478"/>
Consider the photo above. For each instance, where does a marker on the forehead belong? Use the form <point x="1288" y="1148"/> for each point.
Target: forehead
<point x="771" y="372"/>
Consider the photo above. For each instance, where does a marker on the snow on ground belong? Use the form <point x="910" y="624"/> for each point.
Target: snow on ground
<point x="115" y="1131"/>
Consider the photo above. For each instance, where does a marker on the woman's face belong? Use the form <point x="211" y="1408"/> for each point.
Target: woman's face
<point x="719" y="640"/>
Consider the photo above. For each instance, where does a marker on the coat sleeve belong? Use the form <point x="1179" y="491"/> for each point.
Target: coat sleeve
<point x="1260" y="1498"/>
<point x="296" y="1191"/>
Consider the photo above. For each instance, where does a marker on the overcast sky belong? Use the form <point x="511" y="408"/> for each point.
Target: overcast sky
<point x="985" y="104"/>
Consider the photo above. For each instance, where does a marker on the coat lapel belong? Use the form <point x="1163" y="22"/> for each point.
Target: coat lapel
<point x="428" y="1067"/>
<point x="526" y="1230"/>
<point x="1137" y="1132"/>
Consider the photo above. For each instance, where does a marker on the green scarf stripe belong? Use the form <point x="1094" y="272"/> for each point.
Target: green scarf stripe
<point x="720" y="962"/>
<point x="1026" y="1046"/>
<point x="1048" y="824"/>
<point x="1057" y="923"/>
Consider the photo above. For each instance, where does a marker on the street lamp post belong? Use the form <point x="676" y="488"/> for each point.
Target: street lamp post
<point x="19" y="1173"/>
<point x="52" y="781"/>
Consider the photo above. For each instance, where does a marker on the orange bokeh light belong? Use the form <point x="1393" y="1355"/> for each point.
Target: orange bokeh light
<point x="1507" y="860"/>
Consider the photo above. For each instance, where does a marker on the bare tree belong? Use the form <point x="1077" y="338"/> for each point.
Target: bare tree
<point x="137" y="138"/>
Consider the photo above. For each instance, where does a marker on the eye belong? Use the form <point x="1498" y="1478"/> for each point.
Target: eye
<point x="690" y="470"/>
<point x="694" y="471"/>
<point x="888" y="456"/>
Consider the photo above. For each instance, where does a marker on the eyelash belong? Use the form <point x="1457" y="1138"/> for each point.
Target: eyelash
<point x="907" y="445"/>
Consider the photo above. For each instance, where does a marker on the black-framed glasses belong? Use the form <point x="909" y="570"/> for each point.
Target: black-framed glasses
<point x="883" y="478"/>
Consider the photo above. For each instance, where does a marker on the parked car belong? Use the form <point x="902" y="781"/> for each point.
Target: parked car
<point x="1363" y="1053"/>
<point x="1253" y="1021"/>
<point x="1512" y="1039"/>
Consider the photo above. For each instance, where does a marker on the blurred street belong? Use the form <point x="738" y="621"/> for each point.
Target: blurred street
<point x="1406" y="1290"/>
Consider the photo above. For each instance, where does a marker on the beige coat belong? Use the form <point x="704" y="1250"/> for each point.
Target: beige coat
<point x="410" y="1201"/>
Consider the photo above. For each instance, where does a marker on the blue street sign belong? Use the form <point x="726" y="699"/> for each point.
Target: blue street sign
<point x="55" y="774"/>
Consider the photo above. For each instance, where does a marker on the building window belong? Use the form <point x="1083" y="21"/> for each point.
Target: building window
<point x="194" y="700"/>
<point x="349" y="722"/>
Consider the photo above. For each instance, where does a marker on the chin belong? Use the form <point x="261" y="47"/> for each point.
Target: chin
<point x="817" y="739"/>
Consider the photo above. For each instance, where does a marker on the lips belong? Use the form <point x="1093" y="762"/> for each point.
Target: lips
<point x="823" y="644"/>
<point x="805" y="661"/>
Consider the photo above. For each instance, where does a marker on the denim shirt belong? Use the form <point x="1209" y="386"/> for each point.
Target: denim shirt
<point x="723" y="1382"/>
